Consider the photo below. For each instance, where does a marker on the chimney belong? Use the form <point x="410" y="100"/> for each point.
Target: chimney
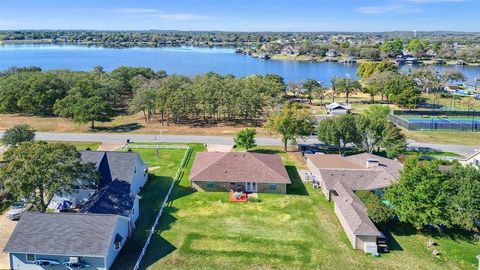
<point x="372" y="163"/>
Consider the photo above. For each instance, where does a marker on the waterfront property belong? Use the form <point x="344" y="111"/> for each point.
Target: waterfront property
<point x="125" y="167"/>
<point x="251" y="172"/>
<point x="62" y="238"/>
<point x="338" y="177"/>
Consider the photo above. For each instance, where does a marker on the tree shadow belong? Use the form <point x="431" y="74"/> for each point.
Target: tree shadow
<point x="120" y="128"/>
<point x="266" y="151"/>
<point x="296" y="187"/>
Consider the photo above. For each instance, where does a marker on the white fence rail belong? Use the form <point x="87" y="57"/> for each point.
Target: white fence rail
<point x="156" y="146"/>
<point x="177" y="177"/>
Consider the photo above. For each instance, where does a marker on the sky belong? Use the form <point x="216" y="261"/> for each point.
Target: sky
<point x="243" y="15"/>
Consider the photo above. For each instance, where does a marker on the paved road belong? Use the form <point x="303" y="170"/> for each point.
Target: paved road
<point x="121" y="138"/>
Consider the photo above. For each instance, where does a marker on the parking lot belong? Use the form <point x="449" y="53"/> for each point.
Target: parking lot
<point x="7" y="227"/>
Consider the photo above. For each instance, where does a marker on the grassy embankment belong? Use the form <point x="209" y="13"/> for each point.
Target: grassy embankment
<point x="294" y="231"/>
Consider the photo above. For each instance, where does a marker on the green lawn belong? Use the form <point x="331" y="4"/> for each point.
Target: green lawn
<point x="294" y="231"/>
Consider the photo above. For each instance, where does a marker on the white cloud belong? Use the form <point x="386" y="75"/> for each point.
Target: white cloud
<point x="134" y="11"/>
<point x="399" y="9"/>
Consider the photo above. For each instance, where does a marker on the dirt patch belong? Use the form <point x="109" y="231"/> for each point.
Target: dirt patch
<point x="219" y="148"/>
<point x="107" y="146"/>
<point x="6" y="230"/>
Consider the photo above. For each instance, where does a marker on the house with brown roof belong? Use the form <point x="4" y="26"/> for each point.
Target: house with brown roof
<point x="338" y="178"/>
<point x="252" y="172"/>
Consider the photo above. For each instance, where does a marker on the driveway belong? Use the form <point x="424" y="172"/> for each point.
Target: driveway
<point x="6" y="230"/>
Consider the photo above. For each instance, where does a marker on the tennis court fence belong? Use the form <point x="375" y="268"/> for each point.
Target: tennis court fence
<point x="436" y="120"/>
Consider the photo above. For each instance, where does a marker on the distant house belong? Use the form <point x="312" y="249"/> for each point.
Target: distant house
<point x="332" y="53"/>
<point x="473" y="160"/>
<point x="291" y="50"/>
<point x="91" y="239"/>
<point x="338" y="178"/>
<point x="338" y="109"/>
<point x="253" y="172"/>
<point x="430" y="53"/>
<point x="127" y="167"/>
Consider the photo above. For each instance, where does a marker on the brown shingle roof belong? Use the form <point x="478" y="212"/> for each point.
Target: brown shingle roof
<point x="332" y="162"/>
<point x="239" y="167"/>
<point x="353" y="172"/>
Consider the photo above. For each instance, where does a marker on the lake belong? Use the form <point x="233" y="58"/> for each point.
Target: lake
<point x="178" y="60"/>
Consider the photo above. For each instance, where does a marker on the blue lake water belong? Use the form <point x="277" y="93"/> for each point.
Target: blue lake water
<point x="178" y="60"/>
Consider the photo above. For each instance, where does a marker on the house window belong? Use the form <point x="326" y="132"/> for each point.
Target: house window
<point x="118" y="245"/>
<point x="272" y="187"/>
<point x="210" y="185"/>
<point x="30" y="257"/>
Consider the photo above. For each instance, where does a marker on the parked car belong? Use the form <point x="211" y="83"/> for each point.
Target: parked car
<point x="76" y="264"/>
<point x="46" y="262"/>
<point x="17" y="209"/>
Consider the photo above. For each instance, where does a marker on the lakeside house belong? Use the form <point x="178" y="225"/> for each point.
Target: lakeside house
<point x="338" y="178"/>
<point x="96" y="233"/>
<point x="291" y="50"/>
<point x="251" y="172"/>
<point x="332" y="53"/>
<point x="89" y="239"/>
<point x="112" y="166"/>
<point x="338" y="109"/>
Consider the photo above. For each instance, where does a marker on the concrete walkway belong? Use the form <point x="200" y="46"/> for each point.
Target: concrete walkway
<point x="6" y="229"/>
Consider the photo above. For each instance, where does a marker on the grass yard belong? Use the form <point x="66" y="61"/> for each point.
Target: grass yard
<point x="81" y="145"/>
<point x="444" y="137"/>
<point x="294" y="231"/>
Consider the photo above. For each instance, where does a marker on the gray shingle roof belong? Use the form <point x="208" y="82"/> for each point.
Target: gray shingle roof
<point x="121" y="165"/>
<point x="67" y="234"/>
<point x="239" y="167"/>
<point x="354" y="211"/>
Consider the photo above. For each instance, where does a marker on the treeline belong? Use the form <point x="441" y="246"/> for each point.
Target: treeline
<point x="208" y="97"/>
<point x="98" y="95"/>
<point x="82" y="96"/>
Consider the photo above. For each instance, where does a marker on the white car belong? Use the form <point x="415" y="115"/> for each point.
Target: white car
<point x="17" y="209"/>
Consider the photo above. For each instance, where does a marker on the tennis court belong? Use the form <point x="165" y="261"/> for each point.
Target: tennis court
<point x="441" y="122"/>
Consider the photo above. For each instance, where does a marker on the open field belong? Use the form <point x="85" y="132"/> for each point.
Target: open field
<point x="294" y="231"/>
<point x="444" y="137"/>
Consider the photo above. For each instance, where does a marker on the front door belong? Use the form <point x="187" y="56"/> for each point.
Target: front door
<point x="251" y="187"/>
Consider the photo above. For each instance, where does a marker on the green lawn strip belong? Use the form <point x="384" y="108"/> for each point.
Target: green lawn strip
<point x="153" y="194"/>
<point x="432" y="153"/>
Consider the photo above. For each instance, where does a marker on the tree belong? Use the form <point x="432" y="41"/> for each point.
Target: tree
<point x="246" y="138"/>
<point x="17" y="134"/>
<point x="394" y="141"/>
<point x="376" y="209"/>
<point x="320" y="93"/>
<point x="392" y="47"/>
<point x="291" y="121"/>
<point x="39" y="170"/>
<point x="143" y="100"/>
<point x="452" y="76"/>
<point x="463" y="204"/>
<point x="338" y="131"/>
<point x="310" y="85"/>
<point x="366" y="69"/>
<point x="375" y="131"/>
<point x="347" y="86"/>
<point x="420" y="195"/>
<point x="91" y="110"/>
